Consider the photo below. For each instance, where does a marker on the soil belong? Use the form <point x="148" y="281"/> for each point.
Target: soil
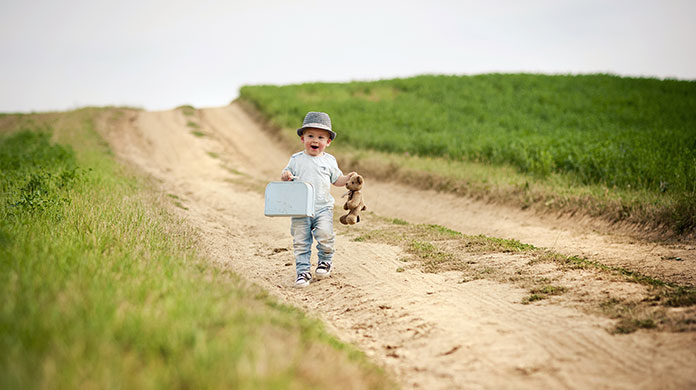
<point x="429" y="330"/>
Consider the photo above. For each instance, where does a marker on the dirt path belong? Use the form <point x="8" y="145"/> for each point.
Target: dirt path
<point x="570" y="237"/>
<point x="429" y="330"/>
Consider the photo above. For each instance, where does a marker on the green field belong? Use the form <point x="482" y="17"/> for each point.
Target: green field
<point x="102" y="288"/>
<point x="622" y="134"/>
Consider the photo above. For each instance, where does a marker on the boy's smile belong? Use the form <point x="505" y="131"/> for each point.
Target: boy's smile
<point x="315" y="141"/>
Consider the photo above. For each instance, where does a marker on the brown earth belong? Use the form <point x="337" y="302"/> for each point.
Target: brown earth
<point x="429" y="330"/>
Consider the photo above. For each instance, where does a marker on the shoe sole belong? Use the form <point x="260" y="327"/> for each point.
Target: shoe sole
<point x="322" y="276"/>
<point x="301" y="285"/>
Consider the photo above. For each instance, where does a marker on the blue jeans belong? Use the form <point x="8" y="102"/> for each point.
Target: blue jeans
<point x="320" y="227"/>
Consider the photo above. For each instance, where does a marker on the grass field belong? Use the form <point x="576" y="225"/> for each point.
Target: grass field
<point x="623" y="134"/>
<point x="101" y="287"/>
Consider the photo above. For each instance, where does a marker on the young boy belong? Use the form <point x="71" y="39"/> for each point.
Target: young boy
<point x="319" y="168"/>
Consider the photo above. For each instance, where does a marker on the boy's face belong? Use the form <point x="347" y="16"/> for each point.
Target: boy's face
<point x="315" y="141"/>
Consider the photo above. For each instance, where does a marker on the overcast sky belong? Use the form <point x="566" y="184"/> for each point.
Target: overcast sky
<point x="158" y="54"/>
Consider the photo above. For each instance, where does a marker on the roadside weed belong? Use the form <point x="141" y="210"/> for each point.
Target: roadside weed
<point x="187" y="110"/>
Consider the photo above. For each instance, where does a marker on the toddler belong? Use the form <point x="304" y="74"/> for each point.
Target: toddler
<point x="313" y="165"/>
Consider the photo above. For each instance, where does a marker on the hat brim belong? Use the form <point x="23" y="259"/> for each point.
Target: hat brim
<point x="319" y="126"/>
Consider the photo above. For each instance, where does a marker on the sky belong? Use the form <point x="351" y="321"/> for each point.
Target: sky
<point x="159" y="54"/>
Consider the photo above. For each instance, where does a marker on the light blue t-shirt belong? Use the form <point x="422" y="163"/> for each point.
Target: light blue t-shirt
<point x="320" y="171"/>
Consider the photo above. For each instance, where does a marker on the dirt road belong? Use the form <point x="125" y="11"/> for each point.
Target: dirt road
<point x="429" y="330"/>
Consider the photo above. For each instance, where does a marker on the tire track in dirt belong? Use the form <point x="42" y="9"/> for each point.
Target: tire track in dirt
<point x="429" y="330"/>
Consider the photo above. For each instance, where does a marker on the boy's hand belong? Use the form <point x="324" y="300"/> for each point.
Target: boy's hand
<point x="344" y="179"/>
<point x="286" y="176"/>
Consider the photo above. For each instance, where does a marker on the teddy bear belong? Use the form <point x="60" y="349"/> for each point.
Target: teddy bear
<point x="355" y="202"/>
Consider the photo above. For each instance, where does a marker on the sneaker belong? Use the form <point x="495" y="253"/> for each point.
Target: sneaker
<point x="303" y="279"/>
<point x="323" y="270"/>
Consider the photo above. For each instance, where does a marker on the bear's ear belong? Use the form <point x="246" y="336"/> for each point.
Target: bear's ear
<point x="359" y="179"/>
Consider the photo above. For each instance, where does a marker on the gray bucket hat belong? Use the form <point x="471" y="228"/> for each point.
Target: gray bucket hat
<point x="317" y="120"/>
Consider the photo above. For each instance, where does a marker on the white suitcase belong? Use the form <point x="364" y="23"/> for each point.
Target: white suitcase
<point x="289" y="199"/>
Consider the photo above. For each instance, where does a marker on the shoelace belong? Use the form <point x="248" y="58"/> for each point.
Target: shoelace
<point x="303" y="277"/>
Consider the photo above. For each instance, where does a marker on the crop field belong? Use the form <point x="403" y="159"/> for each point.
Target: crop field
<point x="601" y="129"/>
<point x="598" y="128"/>
<point x="625" y="133"/>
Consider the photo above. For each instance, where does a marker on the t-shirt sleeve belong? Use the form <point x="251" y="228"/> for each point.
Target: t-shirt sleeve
<point x="335" y="172"/>
<point x="292" y="167"/>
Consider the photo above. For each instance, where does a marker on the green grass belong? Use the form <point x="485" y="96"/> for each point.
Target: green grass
<point x="622" y="134"/>
<point x="398" y="221"/>
<point x="630" y="317"/>
<point x="543" y="292"/>
<point x="187" y="109"/>
<point x="101" y="288"/>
